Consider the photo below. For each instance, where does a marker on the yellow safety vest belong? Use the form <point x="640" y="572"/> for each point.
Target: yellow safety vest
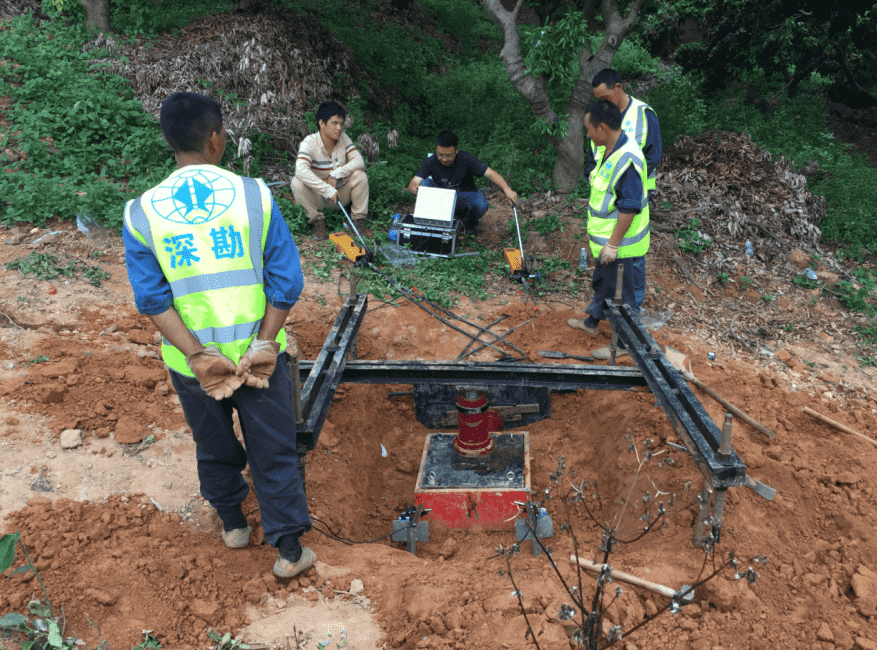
<point x="635" y="125"/>
<point x="207" y="228"/>
<point x="602" y="208"/>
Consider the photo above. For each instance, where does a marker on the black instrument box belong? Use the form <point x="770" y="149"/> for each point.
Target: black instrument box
<point x="429" y="240"/>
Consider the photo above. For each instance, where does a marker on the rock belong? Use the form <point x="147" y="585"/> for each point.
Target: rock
<point x="356" y="587"/>
<point x="449" y="548"/>
<point x="721" y="593"/>
<point x="71" y="438"/>
<point x="650" y="607"/>
<point x="783" y="355"/>
<point x="162" y="389"/>
<point x="203" y="609"/>
<point x="61" y="369"/>
<point x="864" y="585"/>
<point x="144" y="377"/>
<point x="846" y="478"/>
<point x="328" y="572"/>
<point x="128" y="431"/>
<point x="824" y="633"/>
<point x="828" y="278"/>
<point x="328" y="438"/>
<point x="865" y="644"/>
<point x="101" y="596"/>
<point x="799" y="259"/>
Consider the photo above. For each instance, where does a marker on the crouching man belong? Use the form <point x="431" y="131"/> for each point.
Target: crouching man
<point x="329" y="171"/>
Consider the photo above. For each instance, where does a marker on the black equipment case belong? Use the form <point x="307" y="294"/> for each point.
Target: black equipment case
<point x="434" y="241"/>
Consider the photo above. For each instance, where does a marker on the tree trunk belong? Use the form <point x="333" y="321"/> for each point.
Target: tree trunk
<point x="97" y="15"/>
<point x="570" y="160"/>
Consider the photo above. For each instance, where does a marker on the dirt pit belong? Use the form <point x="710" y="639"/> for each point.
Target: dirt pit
<point x="124" y="543"/>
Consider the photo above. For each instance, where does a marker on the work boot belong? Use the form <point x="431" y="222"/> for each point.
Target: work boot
<point x="603" y="353"/>
<point x="318" y="229"/>
<point x="579" y="324"/>
<point x="237" y="538"/>
<point x="288" y="569"/>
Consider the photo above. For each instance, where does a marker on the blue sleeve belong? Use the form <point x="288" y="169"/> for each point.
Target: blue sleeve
<point x="629" y="190"/>
<point x="284" y="280"/>
<point x="152" y="292"/>
<point x="590" y="161"/>
<point x="653" y="149"/>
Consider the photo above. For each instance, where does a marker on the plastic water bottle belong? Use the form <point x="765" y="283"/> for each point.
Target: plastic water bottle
<point x="749" y="251"/>
<point x="583" y="259"/>
<point x="394" y="228"/>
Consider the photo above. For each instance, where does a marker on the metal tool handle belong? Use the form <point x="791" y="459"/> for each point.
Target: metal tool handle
<point x="350" y="221"/>
<point x="518" y="228"/>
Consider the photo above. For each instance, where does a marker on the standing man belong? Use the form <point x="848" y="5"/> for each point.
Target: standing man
<point x="618" y="217"/>
<point x="639" y="121"/>
<point x="329" y="171"/>
<point x="214" y="267"/>
<point x="453" y="169"/>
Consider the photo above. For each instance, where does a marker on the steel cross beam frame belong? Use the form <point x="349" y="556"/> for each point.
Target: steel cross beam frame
<point x="687" y="415"/>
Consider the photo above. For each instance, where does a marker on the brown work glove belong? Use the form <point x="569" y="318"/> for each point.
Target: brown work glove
<point x="257" y="365"/>
<point x="215" y="372"/>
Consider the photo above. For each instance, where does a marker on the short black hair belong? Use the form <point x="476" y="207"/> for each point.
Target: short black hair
<point x="327" y="110"/>
<point x="606" y="76"/>
<point x="447" y="139"/>
<point x="604" y="112"/>
<point x="188" y="119"/>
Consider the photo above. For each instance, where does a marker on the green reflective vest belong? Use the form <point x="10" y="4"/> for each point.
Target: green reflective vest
<point x="635" y="125"/>
<point x="602" y="209"/>
<point x="207" y="227"/>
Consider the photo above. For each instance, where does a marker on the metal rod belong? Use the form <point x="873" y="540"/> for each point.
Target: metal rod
<point x="469" y="344"/>
<point x="725" y="444"/>
<point x="703" y="512"/>
<point x="296" y="389"/>
<point x="484" y="345"/>
<point x="619" y="282"/>
<point x="353" y="226"/>
<point x="520" y="243"/>
<point x="718" y="513"/>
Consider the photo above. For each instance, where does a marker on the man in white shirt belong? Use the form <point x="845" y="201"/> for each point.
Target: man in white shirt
<point x="329" y="171"/>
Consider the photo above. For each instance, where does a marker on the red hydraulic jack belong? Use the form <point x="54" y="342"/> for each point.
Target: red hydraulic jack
<point x="476" y="423"/>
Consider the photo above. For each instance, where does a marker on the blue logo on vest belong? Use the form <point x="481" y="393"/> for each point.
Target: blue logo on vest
<point x="193" y="197"/>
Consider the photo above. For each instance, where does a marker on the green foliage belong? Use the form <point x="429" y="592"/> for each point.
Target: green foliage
<point x="440" y="280"/>
<point x="44" y="266"/>
<point x="767" y="299"/>
<point x="857" y="297"/>
<point x="690" y="239"/>
<point x="745" y="281"/>
<point x="723" y="278"/>
<point x="225" y="642"/>
<point x="805" y="282"/>
<point x="148" y="643"/>
<point x="89" y="144"/>
<point x="546" y="224"/>
<point x="679" y="104"/>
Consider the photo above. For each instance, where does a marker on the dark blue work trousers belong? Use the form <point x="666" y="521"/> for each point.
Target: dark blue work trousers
<point x="471" y="206"/>
<point x="268" y="427"/>
<point x="633" y="285"/>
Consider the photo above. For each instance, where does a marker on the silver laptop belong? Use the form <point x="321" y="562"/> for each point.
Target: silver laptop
<point x="435" y="207"/>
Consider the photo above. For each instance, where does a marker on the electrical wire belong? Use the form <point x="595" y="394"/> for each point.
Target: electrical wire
<point x="331" y="534"/>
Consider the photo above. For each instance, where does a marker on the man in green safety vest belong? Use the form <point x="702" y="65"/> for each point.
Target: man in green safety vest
<point x="618" y="217"/>
<point x="638" y="120"/>
<point x="214" y="267"/>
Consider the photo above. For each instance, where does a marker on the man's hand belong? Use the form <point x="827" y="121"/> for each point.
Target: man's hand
<point x="334" y="198"/>
<point x="512" y="196"/>
<point x="257" y="365"/>
<point x="215" y="372"/>
<point x="608" y="254"/>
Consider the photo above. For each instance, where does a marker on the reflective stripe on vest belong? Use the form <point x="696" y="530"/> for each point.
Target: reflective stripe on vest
<point x="602" y="207"/>
<point x="636" y="126"/>
<point x="207" y="228"/>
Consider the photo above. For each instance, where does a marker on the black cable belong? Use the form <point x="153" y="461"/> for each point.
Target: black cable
<point x="331" y="533"/>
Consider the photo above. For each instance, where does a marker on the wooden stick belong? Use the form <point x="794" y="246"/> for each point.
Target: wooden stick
<point x="755" y="424"/>
<point x="624" y="577"/>
<point x="837" y="425"/>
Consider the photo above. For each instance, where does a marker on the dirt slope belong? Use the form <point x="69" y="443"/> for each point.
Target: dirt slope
<point x="107" y="553"/>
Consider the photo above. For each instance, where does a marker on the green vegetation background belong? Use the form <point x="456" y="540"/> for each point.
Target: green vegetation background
<point x="107" y="149"/>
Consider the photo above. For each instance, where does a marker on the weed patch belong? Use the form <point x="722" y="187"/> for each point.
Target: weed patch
<point x="44" y="266"/>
